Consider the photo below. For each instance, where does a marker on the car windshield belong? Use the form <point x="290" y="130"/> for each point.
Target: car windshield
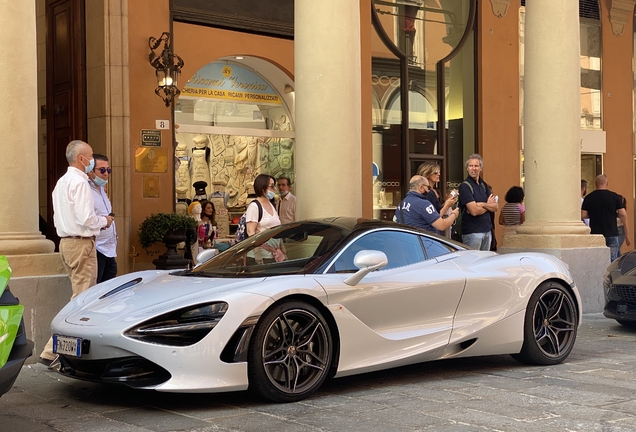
<point x="295" y="248"/>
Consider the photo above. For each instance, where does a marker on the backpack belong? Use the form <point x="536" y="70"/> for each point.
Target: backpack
<point x="456" y="230"/>
<point x="241" y="229"/>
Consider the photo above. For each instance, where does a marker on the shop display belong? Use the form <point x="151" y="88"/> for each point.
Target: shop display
<point x="232" y="161"/>
<point x="231" y="125"/>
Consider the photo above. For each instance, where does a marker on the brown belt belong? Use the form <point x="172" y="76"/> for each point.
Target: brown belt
<point x="79" y="238"/>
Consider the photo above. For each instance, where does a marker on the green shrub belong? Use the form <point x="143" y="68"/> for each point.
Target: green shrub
<point x="154" y="227"/>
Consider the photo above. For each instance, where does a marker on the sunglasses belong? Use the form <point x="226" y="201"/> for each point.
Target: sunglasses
<point x="104" y="170"/>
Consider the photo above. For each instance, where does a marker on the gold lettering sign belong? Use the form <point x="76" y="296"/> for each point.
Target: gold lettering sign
<point x="151" y="160"/>
<point x="238" y="96"/>
<point x="151" y="186"/>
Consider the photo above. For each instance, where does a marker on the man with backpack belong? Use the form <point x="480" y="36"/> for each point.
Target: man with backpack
<point x="477" y="204"/>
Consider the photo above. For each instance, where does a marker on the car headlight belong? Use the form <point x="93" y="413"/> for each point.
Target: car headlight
<point x="607" y="282"/>
<point x="182" y="327"/>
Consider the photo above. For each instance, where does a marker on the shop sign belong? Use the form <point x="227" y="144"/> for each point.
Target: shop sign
<point x="162" y="124"/>
<point x="150" y="138"/>
<point x="151" y="160"/>
<point x="220" y="80"/>
<point x="151" y="186"/>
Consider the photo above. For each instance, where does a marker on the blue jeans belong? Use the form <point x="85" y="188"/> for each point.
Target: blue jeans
<point x="621" y="236"/>
<point x="615" y="247"/>
<point x="479" y="241"/>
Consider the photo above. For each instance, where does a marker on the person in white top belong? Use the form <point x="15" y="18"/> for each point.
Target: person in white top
<point x="76" y="224"/>
<point x="287" y="203"/>
<point x="106" y="240"/>
<point x="274" y="250"/>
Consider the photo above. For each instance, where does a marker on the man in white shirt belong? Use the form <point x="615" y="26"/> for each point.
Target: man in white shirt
<point x="287" y="203"/>
<point x="76" y="224"/>
<point x="106" y="240"/>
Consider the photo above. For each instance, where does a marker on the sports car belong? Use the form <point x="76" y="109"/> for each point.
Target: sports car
<point x="286" y="309"/>
<point x="15" y="348"/>
<point x="619" y="287"/>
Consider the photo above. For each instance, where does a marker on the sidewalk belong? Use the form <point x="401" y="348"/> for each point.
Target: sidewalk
<point x="595" y="390"/>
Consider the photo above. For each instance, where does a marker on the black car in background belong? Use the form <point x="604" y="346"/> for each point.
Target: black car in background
<point x="619" y="287"/>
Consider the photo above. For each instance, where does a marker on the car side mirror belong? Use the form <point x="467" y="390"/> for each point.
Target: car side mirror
<point x="206" y="255"/>
<point x="366" y="261"/>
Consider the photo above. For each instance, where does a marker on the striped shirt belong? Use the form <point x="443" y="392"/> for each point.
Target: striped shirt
<point x="512" y="213"/>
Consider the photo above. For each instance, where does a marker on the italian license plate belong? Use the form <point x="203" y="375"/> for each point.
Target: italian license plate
<point x="66" y="345"/>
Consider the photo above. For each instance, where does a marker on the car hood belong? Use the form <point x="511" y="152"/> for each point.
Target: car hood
<point x="131" y="297"/>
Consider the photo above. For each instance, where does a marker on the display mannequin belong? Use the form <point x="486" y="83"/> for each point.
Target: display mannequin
<point x="195" y="211"/>
<point x="199" y="165"/>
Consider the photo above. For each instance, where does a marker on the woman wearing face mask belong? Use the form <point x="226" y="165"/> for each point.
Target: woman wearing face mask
<point x="264" y="187"/>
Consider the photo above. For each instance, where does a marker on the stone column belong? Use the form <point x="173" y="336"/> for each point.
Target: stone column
<point x="19" y="210"/>
<point x="328" y="108"/>
<point x="38" y="279"/>
<point x="552" y="120"/>
<point x="108" y="108"/>
<point x="552" y="149"/>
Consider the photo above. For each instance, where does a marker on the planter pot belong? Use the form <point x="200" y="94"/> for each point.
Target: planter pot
<point x="171" y="260"/>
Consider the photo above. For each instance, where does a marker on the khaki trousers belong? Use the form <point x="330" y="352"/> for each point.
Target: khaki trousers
<point x="79" y="257"/>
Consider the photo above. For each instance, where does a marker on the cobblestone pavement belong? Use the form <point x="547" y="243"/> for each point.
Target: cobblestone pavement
<point x="595" y="390"/>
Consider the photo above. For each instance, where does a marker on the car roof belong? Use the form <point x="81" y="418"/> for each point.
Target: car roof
<point x="356" y="225"/>
<point x="353" y="224"/>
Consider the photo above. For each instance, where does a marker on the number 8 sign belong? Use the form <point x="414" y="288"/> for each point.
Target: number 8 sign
<point x="162" y="124"/>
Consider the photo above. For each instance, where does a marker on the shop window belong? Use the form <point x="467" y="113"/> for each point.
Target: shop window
<point x="413" y="41"/>
<point x="231" y="125"/>
<point x="634" y="69"/>
<point x="590" y="74"/>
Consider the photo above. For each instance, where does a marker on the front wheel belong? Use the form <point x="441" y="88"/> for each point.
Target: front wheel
<point x="290" y="353"/>
<point x="550" y="326"/>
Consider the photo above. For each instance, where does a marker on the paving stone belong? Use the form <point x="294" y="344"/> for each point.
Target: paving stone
<point x="594" y="390"/>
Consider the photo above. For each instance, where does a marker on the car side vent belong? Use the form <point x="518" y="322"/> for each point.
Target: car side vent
<point x="467" y="344"/>
<point x="122" y="287"/>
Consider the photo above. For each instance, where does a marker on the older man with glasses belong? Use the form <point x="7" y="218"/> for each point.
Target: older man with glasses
<point x="417" y="211"/>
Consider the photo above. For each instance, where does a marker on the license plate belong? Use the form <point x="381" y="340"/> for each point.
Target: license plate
<point x="66" y="345"/>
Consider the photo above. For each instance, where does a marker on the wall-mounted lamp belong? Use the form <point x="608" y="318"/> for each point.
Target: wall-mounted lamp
<point x="288" y="88"/>
<point x="167" y="68"/>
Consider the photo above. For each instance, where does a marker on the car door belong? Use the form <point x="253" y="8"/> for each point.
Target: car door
<point x="412" y="296"/>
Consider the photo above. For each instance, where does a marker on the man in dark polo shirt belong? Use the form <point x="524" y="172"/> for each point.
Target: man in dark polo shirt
<point x="417" y="211"/>
<point x="602" y="207"/>
<point x="477" y="204"/>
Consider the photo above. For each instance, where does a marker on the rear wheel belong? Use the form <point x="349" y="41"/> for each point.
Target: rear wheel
<point x="550" y="326"/>
<point x="290" y="353"/>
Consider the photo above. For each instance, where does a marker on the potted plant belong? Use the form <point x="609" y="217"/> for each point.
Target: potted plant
<point x="170" y="229"/>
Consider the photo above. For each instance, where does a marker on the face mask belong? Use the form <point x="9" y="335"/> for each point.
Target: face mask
<point x="270" y="195"/>
<point x="90" y="166"/>
<point x="100" y="181"/>
<point x="284" y="193"/>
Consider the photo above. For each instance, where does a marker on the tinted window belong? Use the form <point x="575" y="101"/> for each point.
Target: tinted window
<point x="435" y="248"/>
<point x="400" y="248"/>
<point x="301" y="246"/>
